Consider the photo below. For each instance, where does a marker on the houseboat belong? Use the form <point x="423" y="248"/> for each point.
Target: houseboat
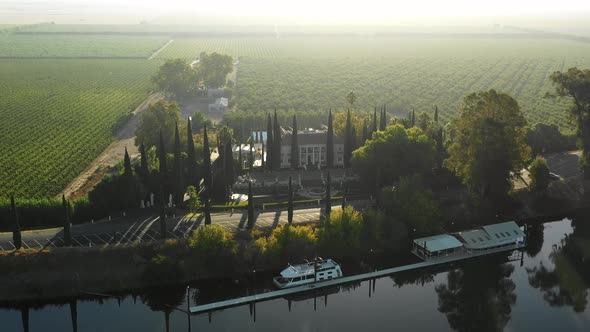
<point x="308" y="273"/>
<point x="491" y="238"/>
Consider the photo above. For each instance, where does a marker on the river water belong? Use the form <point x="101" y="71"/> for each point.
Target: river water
<point x="543" y="289"/>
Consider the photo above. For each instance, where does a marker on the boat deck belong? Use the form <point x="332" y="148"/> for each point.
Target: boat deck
<point x="359" y="277"/>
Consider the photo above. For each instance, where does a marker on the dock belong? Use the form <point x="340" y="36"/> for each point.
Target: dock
<point x="355" y="278"/>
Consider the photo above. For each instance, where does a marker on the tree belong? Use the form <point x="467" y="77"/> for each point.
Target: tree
<point x="413" y="118"/>
<point x="199" y="120"/>
<point x="269" y="144"/>
<point x="328" y="196"/>
<point x="365" y="135"/>
<point x="330" y="143"/>
<point x="127" y="164"/>
<point x="207" y="211"/>
<point x="144" y="162"/>
<point x="191" y="167"/>
<point x="178" y="170"/>
<point x="397" y="152"/>
<point x="383" y="119"/>
<point x="213" y="69"/>
<point x="159" y="117"/>
<point x="16" y="234"/>
<point x="176" y="77"/>
<point x="67" y="233"/>
<point x="351" y="98"/>
<point x="348" y="140"/>
<point x="251" y="155"/>
<point x="290" y="207"/>
<point x="488" y="143"/>
<point x="294" y="145"/>
<point x="374" y="125"/>
<point x="575" y="84"/>
<point x="251" y="220"/>
<point x="435" y="114"/>
<point x="162" y="156"/>
<point x="424" y="122"/>
<point x="276" y="153"/>
<point x="539" y="174"/>
<point x="206" y="163"/>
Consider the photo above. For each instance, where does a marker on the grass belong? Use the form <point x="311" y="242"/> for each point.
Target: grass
<point x="58" y="115"/>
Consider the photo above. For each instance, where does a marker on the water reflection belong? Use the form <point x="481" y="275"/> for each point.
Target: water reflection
<point x="566" y="282"/>
<point x="478" y="296"/>
<point x="534" y="239"/>
<point x="165" y="300"/>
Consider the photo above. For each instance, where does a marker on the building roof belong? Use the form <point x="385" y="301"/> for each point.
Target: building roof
<point x="307" y="137"/>
<point x="439" y="242"/>
<point x="506" y="232"/>
<point x="476" y="239"/>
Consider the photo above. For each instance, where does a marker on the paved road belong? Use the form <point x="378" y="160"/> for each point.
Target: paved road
<point x="139" y="229"/>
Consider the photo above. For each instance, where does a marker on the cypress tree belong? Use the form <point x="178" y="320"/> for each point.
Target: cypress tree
<point x="229" y="167"/>
<point x="144" y="162"/>
<point x="383" y="120"/>
<point x="162" y="158"/>
<point x="67" y="233"/>
<point x="16" y="235"/>
<point x="127" y="162"/>
<point x="435" y="114"/>
<point x="240" y="160"/>
<point x="250" y="206"/>
<point x="294" y="145"/>
<point x="439" y="148"/>
<point x="162" y="215"/>
<point x="348" y="140"/>
<point x="328" y="196"/>
<point x="353" y="144"/>
<point x="191" y="166"/>
<point x="276" y="141"/>
<point x="269" y="144"/>
<point x="413" y="118"/>
<point x="178" y="178"/>
<point x="207" y="211"/>
<point x="251" y="156"/>
<point x="263" y="161"/>
<point x="206" y="163"/>
<point x="330" y="143"/>
<point x="290" y="208"/>
<point x="374" y="125"/>
<point x="365" y="135"/>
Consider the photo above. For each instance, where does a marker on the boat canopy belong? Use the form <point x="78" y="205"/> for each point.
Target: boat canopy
<point x="299" y="270"/>
<point x="438" y="242"/>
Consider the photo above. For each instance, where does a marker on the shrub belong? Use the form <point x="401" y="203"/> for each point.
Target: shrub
<point x="342" y="234"/>
<point x="213" y="242"/>
<point x="288" y="243"/>
<point x="539" y="174"/>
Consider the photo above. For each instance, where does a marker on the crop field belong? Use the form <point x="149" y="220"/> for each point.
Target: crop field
<point x="72" y="46"/>
<point x="58" y="115"/>
<point x="404" y="73"/>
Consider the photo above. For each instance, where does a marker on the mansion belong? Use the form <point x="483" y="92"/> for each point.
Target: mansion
<point x="312" y="149"/>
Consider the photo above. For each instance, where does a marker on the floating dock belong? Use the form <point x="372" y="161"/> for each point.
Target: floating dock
<point x="359" y="277"/>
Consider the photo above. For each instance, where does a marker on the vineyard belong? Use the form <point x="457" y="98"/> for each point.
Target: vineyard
<point x="72" y="46"/>
<point x="404" y="73"/>
<point x="58" y="115"/>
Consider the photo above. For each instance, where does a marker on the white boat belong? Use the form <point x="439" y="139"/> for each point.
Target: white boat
<point x="308" y="273"/>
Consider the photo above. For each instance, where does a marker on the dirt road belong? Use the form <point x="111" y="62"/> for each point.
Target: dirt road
<point x="112" y="155"/>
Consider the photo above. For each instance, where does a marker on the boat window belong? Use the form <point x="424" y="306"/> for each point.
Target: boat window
<point x="480" y="239"/>
<point x="473" y="240"/>
<point x="507" y="234"/>
<point x="503" y="235"/>
<point x="498" y="236"/>
<point x="515" y="232"/>
<point x="488" y="238"/>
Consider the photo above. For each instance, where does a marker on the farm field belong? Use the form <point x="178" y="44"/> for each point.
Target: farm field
<point x="404" y="73"/>
<point x="58" y="115"/>
<point x="35" y="46"/>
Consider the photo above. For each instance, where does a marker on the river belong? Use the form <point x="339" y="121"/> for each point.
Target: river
<point x="545" y="289"/>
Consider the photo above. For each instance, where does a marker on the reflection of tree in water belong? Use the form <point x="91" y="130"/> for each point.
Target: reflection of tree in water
<point x="534" y="239"/>
<point x="414" y="277"/>
<point x="164" y="299"/>
<point x="478" y="297"/>
<point x="566" y="283"/>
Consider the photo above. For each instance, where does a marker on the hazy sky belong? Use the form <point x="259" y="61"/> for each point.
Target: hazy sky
<point x="315" y="11"/>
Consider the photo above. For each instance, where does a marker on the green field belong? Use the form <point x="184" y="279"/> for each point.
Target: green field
<point x="58" y="115"/>
<point x="14" y="45"/>
<point x="404" y="73"/>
